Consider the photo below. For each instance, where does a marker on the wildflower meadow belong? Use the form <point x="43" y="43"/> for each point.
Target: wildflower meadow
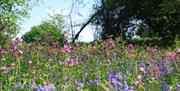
<point x="100" y="66"/>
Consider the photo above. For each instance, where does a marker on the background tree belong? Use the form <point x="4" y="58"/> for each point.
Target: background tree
<point x="144" y="18"/>
<point x="45" y="33"/>
<point x="56" y="20"/>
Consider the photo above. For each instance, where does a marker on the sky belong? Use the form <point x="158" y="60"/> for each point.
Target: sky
<point x="79" y="15"/>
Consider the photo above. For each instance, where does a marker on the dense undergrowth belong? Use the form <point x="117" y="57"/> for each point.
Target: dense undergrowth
<point x="100" y="66"/>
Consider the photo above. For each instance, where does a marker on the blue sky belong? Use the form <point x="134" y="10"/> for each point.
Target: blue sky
<point x="40" y="12"/>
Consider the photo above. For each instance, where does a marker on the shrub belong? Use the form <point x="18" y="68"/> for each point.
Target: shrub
<point x="44" y="33"/>
<point x="146" y="41"/>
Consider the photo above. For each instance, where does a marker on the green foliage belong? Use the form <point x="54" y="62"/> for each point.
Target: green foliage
<point x="56" y="20"/>
<point x="145" y="41"/>
<point x="44" y="33"/>
<point x="157" y="19"/>
<point x="11" y="14"/>
<point x="155" y="41"/>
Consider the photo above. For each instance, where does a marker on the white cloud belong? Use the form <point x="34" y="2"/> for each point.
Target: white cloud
<point x="86" y="35"/>
<point x="53" y="11"/>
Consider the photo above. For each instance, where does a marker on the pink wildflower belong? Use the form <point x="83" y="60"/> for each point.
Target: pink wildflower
<point x="151" y="62"/>
<point x="61" y="63"/>
<point x="76" y="62"/>
<point x="94" y="44"/>
<point x="138" y="80"/>
<point x="155" y="51"/>
<point x="30" y="62"/>
<point x="21" y="52"/>
<point x="173" y="56"/>
<point x="67" y="48"/>
<point x="73" y="62"/>
<point x="178" y="51"/>
<point x="156" y="69"/>
<point x="1" y="51"/>
<point x="5" y="69"/>
<point x="130" y="46"/>
<point x="66" y="61"/>
<point x="108" y="62"/>
<point x="142" y="68"/>
<point x="14" y="47"/>
<point x="148" y="49"/>
<point x="13" y="64"/>
<point x="111" y="42"/>
<point x="94" y="47"/>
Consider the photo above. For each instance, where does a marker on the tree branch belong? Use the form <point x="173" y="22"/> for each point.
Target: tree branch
<point x="85" y="24"/>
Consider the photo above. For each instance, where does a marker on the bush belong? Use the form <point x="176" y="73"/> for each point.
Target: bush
<point x="146" y="41"/>
<point x="44" y="33"/>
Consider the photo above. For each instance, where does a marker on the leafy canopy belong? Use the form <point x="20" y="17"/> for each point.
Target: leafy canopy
<point x="12" y="13"/>
<point x="144" y="18"/>
<point x="44" y="33"/>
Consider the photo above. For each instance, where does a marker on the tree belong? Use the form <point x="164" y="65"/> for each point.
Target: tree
<point x="56" y="20"/>
<point x="45" y="33"/>
<point x="158" y="18"/>
<point x="85" y="24"/>
<point x="11" y="14"/>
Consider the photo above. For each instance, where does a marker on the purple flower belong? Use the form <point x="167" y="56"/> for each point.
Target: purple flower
<point x="74" y="57"/>
<point x="48" y="87"/>
<point x="177" y="87"/>
<point x="130" y="88"/>
<point x="39" y="87"/>
<point x="65" y="80"/>
<point x="125" y="86"/>
<point x="98" y="63"/>
<point x="18" y="38"/>
<point x="14" y="47"/>
<point x="164" y="70"/>
<point x="145" y="73"/>
<point x="86" y="55"/>
<point x="97" y="79"/>
<point x="18" y="84"/>
<point x="164" y="85"/>
<point x="57" y="74"/>
<point x="91" y="81"/>
<point x="114" y="80"/>
<point x="85" y="74"/>
<point x="32" y="84"/>
<point x="74" y="60"/>
<point x="79" y="84"/>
